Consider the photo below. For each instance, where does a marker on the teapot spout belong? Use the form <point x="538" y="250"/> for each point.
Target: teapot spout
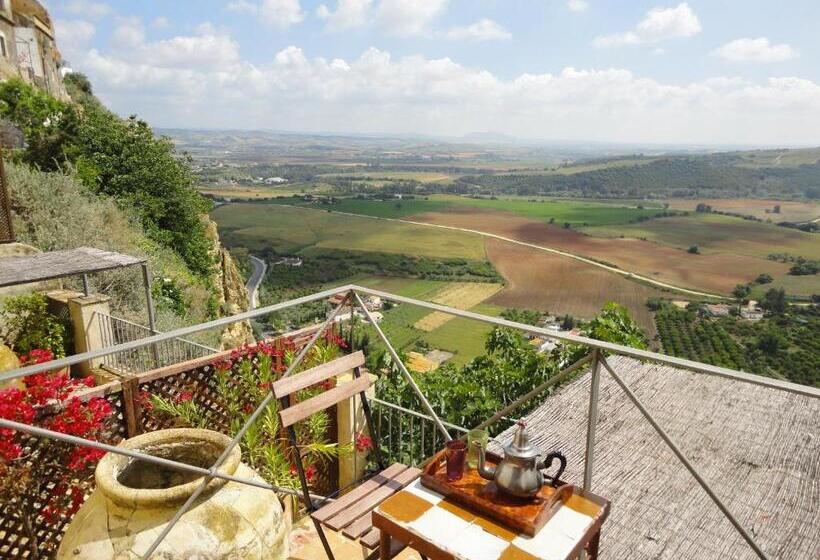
<point x="483" y="470"/>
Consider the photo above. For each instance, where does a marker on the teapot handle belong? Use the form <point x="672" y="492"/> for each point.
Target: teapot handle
<point x="547" y="463"/>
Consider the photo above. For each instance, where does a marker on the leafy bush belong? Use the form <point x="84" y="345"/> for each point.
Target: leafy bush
<point x="27" y="325"/>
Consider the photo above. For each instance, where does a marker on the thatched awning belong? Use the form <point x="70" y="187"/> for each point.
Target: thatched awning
<point x="60" y="264"/>
<point x="759" y="448"/>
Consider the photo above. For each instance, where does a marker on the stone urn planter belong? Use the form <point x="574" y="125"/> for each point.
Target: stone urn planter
<point x="134" y="500"/>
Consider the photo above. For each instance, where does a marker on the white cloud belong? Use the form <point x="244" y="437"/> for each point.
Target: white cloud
<point x="482" y="30"/>
<point x="578" y="5"/>
<point x="348" y="13"/>
<point x="73" y="35"/>
<point x="161" y="22"/>
<point x="200" y="80"/>
<point x="409" y="17"/>
<point x="755" y="50"/>
<point x="276" y="13"/>
<point x="88" y="9"/>
<point x="659" y="24"/>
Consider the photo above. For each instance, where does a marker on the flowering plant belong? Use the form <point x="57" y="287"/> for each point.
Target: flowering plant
<point x="242" y="381"/>
<point x="46" y="467"/>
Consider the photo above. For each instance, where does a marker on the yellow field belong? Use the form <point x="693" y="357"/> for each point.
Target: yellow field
<point x="461" y="295"/>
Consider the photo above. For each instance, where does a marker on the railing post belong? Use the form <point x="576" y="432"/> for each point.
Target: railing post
<point x="149" y="303"/>
<point x="592" y="418"/>
<point x="132" y="411"/>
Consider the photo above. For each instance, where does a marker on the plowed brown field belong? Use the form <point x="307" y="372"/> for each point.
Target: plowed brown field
<point x="717" y="273"/>
<point x="547" y="282"/>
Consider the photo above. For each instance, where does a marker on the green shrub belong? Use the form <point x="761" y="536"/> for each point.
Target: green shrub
<point x="27" y="325"/>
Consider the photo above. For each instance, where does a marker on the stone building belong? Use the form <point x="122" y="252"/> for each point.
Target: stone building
<point x="27" y="46"/>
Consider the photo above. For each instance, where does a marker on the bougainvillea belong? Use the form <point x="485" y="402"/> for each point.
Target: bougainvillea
<point x="51" y="468"/>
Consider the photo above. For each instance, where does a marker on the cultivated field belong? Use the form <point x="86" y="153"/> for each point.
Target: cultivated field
<point x="289" y="230"/>
<point x="574" y="212"/>
<point x="790" y="211"/>
<point x="461" y="295"/>
<point x="718" y="273"/>
<point x="714" y="233"/>
<point x="264" y="192"/>
<point x="545" y="282"/>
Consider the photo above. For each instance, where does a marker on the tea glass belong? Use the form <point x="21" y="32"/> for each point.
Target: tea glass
<point x="455" y="453"/>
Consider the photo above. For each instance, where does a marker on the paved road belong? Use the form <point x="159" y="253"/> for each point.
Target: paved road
<point x="622" y="272"/>
<point x="259" y="268"/>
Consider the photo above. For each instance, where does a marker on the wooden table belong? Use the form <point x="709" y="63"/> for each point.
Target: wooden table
<point x="440" y="529"/>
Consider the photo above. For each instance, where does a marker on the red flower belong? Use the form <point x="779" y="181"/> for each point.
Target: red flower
<point x="328" y="384"/>
<point x="248" y="408"/>
<point x="9" y="451"/>
<point x="310" y="473"/>
<point x="183" y="397"/>
<point x="144" y="399"/>
<point x="363" y="443"/>
<point x="36" y="356"/>
<point x="224" y="364"/>
<point x="81" y="457"/>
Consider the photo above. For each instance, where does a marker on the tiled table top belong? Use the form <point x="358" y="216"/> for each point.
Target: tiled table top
<point x="469" y="536"/>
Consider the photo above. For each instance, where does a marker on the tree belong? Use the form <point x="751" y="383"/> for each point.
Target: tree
<point x="770" y="342"/>
<point x="693" y="249"/>
<point x="614" y="324"/>
<point x="776" y="209"/>
<point x="567" y="322"/>
<point x="741" y="292"/>
<point x="703" y="207"/>
<point x="764" y="279"/>
<point x="775" y="300"/>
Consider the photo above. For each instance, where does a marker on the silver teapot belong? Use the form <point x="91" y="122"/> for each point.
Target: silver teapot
<point x="519" y="473"/>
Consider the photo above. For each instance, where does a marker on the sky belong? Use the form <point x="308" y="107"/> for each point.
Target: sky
<point x="740" y="72"/>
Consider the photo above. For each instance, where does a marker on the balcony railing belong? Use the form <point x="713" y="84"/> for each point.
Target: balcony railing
<point x="428" y="430"/>
<point x="115" y="331"/>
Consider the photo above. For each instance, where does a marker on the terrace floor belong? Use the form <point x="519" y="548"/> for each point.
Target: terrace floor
<point x="305" y="545"/>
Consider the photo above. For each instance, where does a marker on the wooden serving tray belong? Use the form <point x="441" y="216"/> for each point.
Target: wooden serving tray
<point x="526" y="516"/>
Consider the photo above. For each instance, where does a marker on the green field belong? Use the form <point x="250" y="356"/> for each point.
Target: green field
<point x="541" y="209"/>
<point x="463" y="337"/>
<point x="715" y="233"/>
<point x="290" y="230"/>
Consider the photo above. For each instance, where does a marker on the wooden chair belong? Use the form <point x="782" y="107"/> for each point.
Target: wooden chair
<point x="350" y="514"/>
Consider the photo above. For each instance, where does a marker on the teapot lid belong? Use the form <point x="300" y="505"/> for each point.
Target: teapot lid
<point x="521" y="446"/>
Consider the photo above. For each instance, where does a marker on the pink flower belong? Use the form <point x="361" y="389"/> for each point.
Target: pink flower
<point x="183" y="397"/>
<point x="363" y="443"/>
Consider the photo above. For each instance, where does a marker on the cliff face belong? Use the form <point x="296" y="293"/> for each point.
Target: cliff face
<point x="231" y="294"/>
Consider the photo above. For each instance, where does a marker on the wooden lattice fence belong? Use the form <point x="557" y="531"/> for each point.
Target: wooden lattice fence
<point x="125" y="395"/>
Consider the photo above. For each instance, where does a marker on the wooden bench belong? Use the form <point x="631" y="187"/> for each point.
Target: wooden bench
<point x="351" y="513"/>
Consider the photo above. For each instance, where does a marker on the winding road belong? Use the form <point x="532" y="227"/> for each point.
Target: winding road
<point x="259" y="268"/>
<point x="622" y="272"/>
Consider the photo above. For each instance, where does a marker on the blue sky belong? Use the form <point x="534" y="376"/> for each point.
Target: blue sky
<point x="718" y="71"/>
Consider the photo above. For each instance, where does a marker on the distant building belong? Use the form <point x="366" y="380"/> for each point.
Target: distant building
<point x="716" y="309"/>
<point x="751" y="314"/>
<point x="27" y="46"/>
<point x="289" y="261"/>
<point x="373" y="303"/>
<point x="275" y="180"/>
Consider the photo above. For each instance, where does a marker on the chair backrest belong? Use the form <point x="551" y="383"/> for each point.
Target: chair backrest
<point x="289" y="385"/>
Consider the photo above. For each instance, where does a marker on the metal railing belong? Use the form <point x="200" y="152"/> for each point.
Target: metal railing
<point x="351" y="293"/>
<point x="115" y="331"/>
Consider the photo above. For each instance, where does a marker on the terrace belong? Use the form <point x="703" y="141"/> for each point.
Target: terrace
<point x="699" y="461"/>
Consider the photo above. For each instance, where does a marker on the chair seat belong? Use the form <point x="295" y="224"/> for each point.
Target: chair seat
<point x="350" y="514"/>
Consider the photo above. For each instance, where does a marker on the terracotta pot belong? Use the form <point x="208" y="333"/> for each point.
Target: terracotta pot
<point x="134" y="501"/>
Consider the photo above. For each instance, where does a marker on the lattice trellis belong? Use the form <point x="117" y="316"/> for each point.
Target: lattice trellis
<point x="13" y="540"/>
<point x="6" y="228"/>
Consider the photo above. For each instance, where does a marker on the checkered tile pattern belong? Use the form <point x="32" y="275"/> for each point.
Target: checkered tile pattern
<point x="473" y="537"/>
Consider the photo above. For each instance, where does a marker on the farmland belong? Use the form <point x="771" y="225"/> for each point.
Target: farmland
<point x="546" y="282"/>
<point x="559" y="211"/>
<point x="715" y="233"/>
<point x="790" y="211"/>
<point x="289" y="230"/>
<point x="716" y="273"/>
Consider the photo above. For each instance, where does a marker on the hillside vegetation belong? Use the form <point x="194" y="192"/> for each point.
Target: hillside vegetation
<point x="116" y="157"/>
<point x="54" y="210"/>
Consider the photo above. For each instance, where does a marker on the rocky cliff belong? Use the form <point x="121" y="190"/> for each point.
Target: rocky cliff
<point x="231" y="294"/>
